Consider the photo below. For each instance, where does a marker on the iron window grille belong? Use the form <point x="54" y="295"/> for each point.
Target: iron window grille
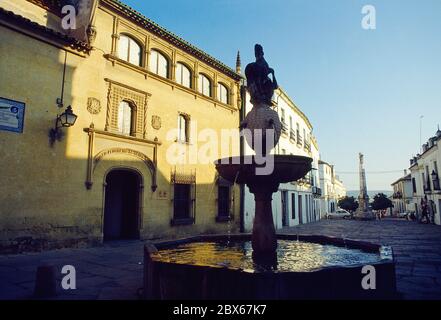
<point x="183" y="190"/>
<point x="225" y="200"/>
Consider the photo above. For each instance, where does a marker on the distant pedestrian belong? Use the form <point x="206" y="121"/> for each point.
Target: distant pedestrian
<point x="378" y="214"/>
<point x="424" y="211"/>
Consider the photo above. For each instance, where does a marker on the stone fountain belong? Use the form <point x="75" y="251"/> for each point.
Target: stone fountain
<point x="265" y="265"/>
<point x="262" y="128"/>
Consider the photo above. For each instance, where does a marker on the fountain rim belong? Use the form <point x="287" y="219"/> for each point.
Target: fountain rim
<point x="241" y="169"/>
<point x="279" y="158"/>
<point x="368" y="247"/>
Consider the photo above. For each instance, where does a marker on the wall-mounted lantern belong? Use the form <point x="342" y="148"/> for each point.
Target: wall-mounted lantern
<point x="65" y="120"/>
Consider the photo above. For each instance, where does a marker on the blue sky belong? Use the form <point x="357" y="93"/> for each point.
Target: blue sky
<point x="362" y="90"/>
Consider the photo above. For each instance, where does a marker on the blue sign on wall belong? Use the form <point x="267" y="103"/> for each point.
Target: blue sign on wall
<point x="11" y="115"/>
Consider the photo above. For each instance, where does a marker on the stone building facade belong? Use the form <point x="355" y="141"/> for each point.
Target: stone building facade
<point x="142" y="96"/>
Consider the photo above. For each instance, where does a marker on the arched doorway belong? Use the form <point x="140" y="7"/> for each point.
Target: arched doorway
<point x="122" y="205"/>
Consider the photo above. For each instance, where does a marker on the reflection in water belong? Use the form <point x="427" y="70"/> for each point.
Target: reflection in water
<point x="292" y="256"/>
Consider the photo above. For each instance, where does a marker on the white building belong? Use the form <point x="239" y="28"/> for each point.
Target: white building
<point x="332" y="188"/>
<point x="295" y="202"/>
<point x="327" y="203"/>
<point x="402" y="197"/>
<point x="425" y="170"/>
<point x="339" y="188"/>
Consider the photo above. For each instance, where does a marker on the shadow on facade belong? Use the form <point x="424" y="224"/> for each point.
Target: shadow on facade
<point x="66" y="194"/>
<point x="120" y="205"/>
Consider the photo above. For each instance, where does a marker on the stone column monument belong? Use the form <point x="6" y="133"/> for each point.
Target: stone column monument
<point x="363" y="211"/>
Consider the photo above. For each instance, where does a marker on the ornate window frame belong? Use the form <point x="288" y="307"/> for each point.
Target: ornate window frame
<point x="117" y="93"/>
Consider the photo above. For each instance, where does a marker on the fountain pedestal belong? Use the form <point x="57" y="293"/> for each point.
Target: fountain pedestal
<point x="263" y="239"/>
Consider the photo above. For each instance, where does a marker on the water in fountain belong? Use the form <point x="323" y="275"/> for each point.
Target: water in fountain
<point x="297" y="256"/>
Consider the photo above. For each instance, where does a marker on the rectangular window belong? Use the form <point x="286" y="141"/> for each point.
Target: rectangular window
<point x="293" y="205"/>
<point x="182" y="201"/>
<point x="204" y="85"/>
<point x="299" y="138"/>
<point x="123" y="48"/>
<point x="223" y="206"/>
<point x="222" y="93"/>
<point x="307" y="208"/>
<point x="435" y="179"/>
<point x="300" y="209"/>
<point x="183" y="75"/>
<point x="285" y="212"/>
<point x="183" y="128"/>
<point x="414" y="185"/>
<point x="135" y="54"/>
<point x="426" y="180"/>
<point x="153" y="65"/>
<point x="125" y="119"/>
<point x="162" y="67"/>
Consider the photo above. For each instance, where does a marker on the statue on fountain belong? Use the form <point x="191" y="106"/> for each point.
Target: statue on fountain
<point x="263" y="122"/>
<point x="260" y="86"/>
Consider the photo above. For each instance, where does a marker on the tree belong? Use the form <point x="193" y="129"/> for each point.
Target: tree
<point x="381" y="202"/>
<point x="348" y="203"/>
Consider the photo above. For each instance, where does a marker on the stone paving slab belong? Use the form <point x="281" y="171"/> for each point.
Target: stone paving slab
<point x="417" y="249"/>
<point x="112" y="271"/>
<point x="115" y="270"/>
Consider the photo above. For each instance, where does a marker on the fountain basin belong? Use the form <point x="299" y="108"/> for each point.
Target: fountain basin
<point x="203" y="273"/>
<point x="242" y="169"/>
<point x="263" y="176"/>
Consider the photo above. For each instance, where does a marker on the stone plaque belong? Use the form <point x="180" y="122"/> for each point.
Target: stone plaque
<point x="156" y="122"/>
<point x="93" y="105"/>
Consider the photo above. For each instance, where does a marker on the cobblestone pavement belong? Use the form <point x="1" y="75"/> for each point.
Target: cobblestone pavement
<point x="417" y="249"/>
<point x="114" y="271"/>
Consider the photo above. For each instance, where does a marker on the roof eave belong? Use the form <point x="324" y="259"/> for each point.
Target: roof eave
<point x="12" y="19"/>
<point x="177" y="41"/>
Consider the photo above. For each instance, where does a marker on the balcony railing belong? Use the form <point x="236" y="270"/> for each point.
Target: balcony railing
<point x="299" y="138"/>
<point x="307" y="146"/>
<point x="316" y="191"/>
<point x="292" y="135"/>
<point x="284" y="127"/>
